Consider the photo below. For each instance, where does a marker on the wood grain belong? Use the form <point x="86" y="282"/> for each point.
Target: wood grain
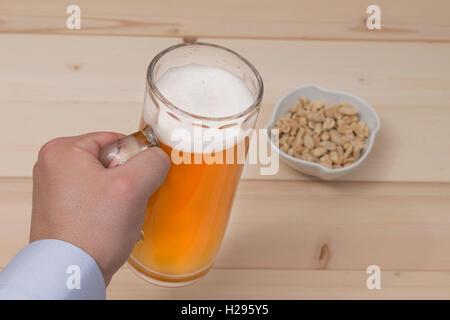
<point x="285" y="225"/>
<point x="288" y="284"/>
<point x="411" y="146"/>
<point x="61" y="68"/>
<point x="412" y="20"/>
<point x="72" y="91"/>
<point x="289" y="236"/>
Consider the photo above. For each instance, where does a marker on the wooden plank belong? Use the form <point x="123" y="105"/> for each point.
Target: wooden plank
<point x="73" y="91"/>
<point x="288" y="284"/>
<point x="30" y="124"/>
<point x="384" y="74"/>
<point x="60" y="68"/>
<point x="412" y="20"/>
<point x="304" y="225"/>
<point x="15" y="217"/>
<point x="411" y="146"/>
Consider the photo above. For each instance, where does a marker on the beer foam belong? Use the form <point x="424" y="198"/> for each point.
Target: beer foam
<point x="203" y="91"/>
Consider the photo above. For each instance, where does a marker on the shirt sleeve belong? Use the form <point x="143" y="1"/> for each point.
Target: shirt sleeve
<point x="52" y="269"/>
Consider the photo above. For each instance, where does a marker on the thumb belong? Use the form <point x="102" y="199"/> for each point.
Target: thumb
<point x="147" y="170"/>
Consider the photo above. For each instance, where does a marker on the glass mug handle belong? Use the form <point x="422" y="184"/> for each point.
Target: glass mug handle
<point x="120" y="151"/>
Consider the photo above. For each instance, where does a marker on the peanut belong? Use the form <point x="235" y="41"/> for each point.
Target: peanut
<point x="332" y="135"/>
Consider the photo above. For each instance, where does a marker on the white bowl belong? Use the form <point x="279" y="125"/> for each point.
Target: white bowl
<point x="317" y="93"/>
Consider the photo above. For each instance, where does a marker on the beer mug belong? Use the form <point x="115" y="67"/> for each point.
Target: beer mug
<point x="187" y="216"/>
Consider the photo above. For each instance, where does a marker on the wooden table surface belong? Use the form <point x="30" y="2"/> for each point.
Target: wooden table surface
<point x="290" y="236"/>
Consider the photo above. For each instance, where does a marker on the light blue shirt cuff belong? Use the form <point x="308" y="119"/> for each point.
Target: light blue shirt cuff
<point x="52" y="269"/>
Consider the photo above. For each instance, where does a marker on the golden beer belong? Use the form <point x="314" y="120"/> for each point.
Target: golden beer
<point x="186" y="219"/>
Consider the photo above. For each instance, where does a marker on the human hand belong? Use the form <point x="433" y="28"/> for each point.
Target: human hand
<point x="99" y="210"/>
